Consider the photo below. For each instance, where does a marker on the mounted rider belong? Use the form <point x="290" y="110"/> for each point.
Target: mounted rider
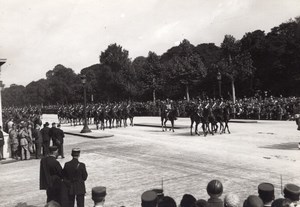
<point x="168" y="106"/>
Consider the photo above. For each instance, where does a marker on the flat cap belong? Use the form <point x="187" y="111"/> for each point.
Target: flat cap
<point x="214" y="188"/>
<point x="291" y="191"/>
<point x="98" y="193"/>
<point x="53" y="148"/>
<point x="253" y="201"/>
<point x="266" y="192"/>
<point x="75" y="152"/>
<point x="149" y="198"/>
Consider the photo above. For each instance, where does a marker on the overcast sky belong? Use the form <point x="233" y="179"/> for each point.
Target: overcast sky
<point x="36" y="35"/>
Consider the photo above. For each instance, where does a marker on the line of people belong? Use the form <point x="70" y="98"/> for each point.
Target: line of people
<point x="27" y="141"/>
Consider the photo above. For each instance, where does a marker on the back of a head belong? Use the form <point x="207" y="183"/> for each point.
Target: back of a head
<point x="52" y="204"/>
<point x="214" y="188"/>
<point x="253" y="201"/>
<point x="231" y="200"/>
<point x="281" y="202"/>
<point x="167" y="201"/>
<point x="187" y="201"/>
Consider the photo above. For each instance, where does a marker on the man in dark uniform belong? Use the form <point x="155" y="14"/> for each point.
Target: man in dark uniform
<point x="46" y="139"/>
<point x="51" y="175"/>
<point x="57" y="136"/>
<point x="75" y="174"/>
<point x="60" y="141"/>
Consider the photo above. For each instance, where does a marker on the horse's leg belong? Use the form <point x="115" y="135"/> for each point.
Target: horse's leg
<point x="192" y="122"/>
<point x="162" y="124"/>
<point x="227" y="127"/>
<point x="172" y="122"/>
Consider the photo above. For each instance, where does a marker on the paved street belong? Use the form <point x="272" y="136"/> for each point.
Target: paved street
<point x="137" y="158"/>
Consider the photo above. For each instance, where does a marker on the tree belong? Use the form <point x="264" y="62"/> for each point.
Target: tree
<point x="184" y="66"/>
<point x="235" y="64"/>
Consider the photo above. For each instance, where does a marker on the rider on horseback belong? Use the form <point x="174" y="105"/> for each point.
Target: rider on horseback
<point x="168" y="106"/>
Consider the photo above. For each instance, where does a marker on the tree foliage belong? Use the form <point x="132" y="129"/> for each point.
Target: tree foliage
<point x="259" y="61"/>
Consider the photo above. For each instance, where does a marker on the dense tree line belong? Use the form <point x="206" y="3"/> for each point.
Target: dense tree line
<point x="258" y="62"/>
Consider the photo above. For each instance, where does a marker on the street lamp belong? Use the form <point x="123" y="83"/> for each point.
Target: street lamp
<point x="219" y="78"/>
<point x="85" y="126"/>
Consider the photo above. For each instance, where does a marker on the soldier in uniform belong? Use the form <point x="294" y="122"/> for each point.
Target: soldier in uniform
<point x="149" y="199"/>
<point x="75" y="175"/>
<point x="98" y="196"/>
<point x="292" y="192"/>
<point x="266" y="193"/>
<point x="51" y="175"/>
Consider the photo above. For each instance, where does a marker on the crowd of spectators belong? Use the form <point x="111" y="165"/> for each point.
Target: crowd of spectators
<point x="264" y="197"/>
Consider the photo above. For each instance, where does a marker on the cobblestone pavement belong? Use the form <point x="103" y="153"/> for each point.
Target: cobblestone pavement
<point x="136" y="159"/>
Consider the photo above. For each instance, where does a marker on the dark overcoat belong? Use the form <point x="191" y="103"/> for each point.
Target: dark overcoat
<point x="50" y="173"/>
<point x="75" y="174"/>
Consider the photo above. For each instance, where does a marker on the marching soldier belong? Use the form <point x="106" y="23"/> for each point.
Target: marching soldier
<point x="75" y="175"/>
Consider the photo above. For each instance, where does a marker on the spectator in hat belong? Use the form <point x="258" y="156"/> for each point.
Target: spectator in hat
<point x="51" y="175"/>
<point x="214" y="189"/>
<point x="75" y="174"/>
<point x="166" y="201"/>
<point x="149" y="199"/>
<point x="46" y="139"/>
<point x="292" y="192"/>
<point x="201" y="203"/>
<point x="253" y="201"/>
<point x="98" y="196"/>
<point x="231" y="200"/>
<point x="52" y="133"/>
<point x="187" y="201"/>
<point x="266" y="193"/>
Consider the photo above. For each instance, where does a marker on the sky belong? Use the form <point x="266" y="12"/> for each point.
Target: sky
<point x="37" y="35"/>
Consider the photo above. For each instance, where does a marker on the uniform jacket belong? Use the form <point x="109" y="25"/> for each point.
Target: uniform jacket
<point x="45" y="134"/>
<point x="13" y="137"/>
<point x="57" y="136"/>
<point x="75" y="174"/>
<point x="37" y="135"/>
<point x="50" y="173"/>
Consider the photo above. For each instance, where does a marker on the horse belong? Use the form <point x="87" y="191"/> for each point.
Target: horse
<point x="165" y="116"/>
<point x="195" y="115"/>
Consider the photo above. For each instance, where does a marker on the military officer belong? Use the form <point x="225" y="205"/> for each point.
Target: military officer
<point x="75" y="175"/>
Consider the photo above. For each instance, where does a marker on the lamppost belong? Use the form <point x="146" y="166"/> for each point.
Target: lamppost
<point x="85" y="126"/>
<point x="219" y="78"/>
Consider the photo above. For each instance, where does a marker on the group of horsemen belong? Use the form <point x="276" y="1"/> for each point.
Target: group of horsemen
<point x="214" y="114"/>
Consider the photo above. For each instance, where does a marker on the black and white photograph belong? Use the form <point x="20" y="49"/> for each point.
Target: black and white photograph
<point x="149" y="103"/>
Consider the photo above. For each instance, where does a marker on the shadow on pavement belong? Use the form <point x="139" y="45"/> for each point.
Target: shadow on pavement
<point x="24" y="205"/>
<point x="283" y="146"/>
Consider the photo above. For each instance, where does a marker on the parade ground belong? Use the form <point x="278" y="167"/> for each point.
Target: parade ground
<point x="129" y="161"/>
